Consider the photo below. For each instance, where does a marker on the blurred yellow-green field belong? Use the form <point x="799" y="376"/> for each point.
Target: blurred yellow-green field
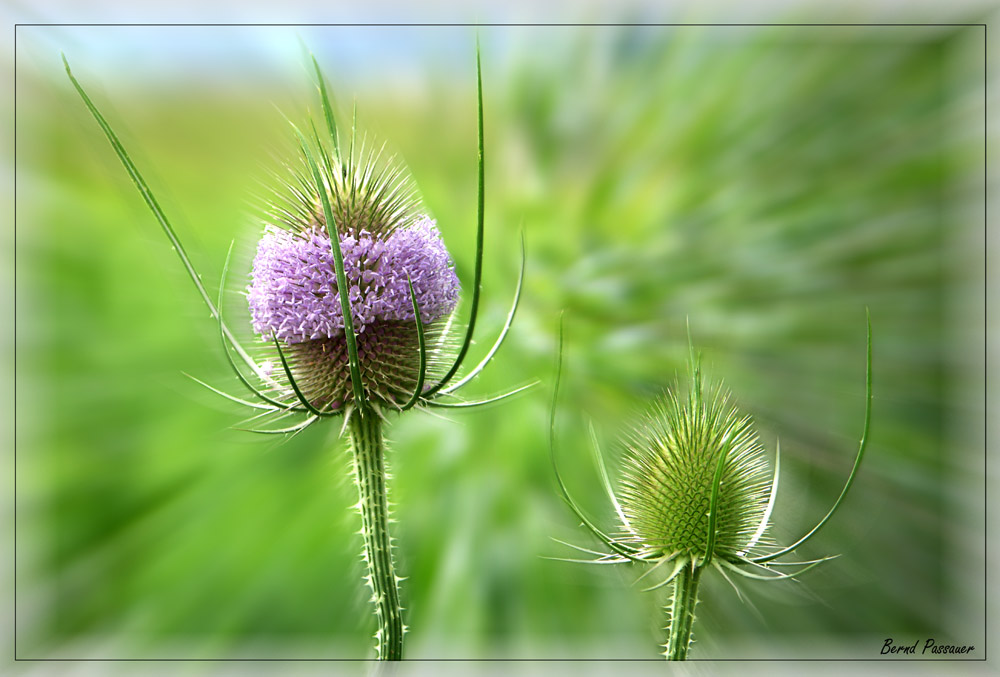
<point x="765" y="184"/>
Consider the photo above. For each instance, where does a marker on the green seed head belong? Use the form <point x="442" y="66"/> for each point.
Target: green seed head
<point x="669" y="466"/>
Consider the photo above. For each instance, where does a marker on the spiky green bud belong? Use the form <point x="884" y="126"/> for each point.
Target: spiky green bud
<point x="668" y="470"/>
<point x="694" y="491"/>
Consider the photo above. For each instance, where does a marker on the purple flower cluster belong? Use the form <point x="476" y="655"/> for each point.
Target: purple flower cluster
<point x="293" y="294"/>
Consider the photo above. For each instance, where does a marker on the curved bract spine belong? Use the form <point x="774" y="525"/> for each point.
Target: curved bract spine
<point x="422" y="370"/>
<point x="503" y="332"/>
<point x="480" y="220"/>
<point x="862" y="445"/>
<point x="225" y="345"/>
<point x="158" y="213"/>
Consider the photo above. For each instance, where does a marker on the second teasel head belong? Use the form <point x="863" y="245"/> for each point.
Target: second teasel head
<point x="669" y="461"/>
<point x="693" y="491"/>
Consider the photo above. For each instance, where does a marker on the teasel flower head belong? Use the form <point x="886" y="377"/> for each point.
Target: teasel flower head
<point x="353" y="293"/>
<point x="693" y="492"/>
<point x="388" y="246"/>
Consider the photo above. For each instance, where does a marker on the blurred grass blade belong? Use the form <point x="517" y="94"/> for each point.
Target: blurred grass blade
<point x="321" y="148"/>
<point x="350" y="157"/>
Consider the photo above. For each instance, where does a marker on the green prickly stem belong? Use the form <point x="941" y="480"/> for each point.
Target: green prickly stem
<point x="365" y="430"/>
<point x="685" y="599"/>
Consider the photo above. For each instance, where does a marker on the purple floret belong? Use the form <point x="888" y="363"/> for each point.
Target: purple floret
<point x="293" y="293"/>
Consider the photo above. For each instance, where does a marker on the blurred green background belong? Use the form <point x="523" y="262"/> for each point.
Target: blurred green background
<point x="765" y="183"/>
